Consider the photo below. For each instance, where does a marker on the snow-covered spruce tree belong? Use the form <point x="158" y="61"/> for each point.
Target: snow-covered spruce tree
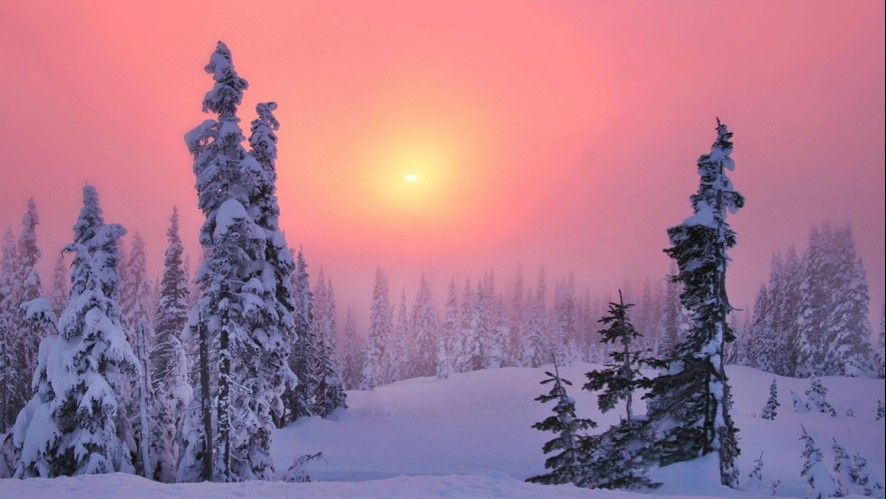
<point x="304" y="357"/>
<point x="611" y="463"/>
<point x="9" y="334"/>
<point x="880" y="360"/>
<point x="169" y="363"/>
<point x="278" y="266"/>
<point x="401" y="343"/>
<point x="329" y="393"/>
<point x="756" y="475"/>
<point x="352" y="354"/>
<point x="27" y="288"/>
<point x="534" y="344"/>
<point x="881" y="410"/>
<point x="69" y="427"/>
<point x="622" y="376"/>
<point x="448" y="335"/>
<point x="135" y="309"/>
<point x="848" y="352"/>
<point x="770" y="410"/>
<point x="376" y="371"/>
<point x="820" y="483"/>
<point x="568" y="465"/>
<point x="815" y="399"/>
<point x="135" y="290"/>
<point x="246" y="301"/>
<point x="842" y="466"/>
<point x="862" y="480"/>
<point x="689" y="406"/>
<point x="763" y="348"/>
<point x="815" y="290"/>
<point x="516" y="320"/>
<point x="833" y="328"/>
<point x="424" y="328"/>
<point x="467" y="346"/>
<point x="495" y="337"/>
<point x="565" y="331"/>
<point x="786" y="314"/>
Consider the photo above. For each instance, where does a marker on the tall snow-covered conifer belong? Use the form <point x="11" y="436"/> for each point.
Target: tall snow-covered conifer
<point x="352" y="354"/>
<point x="848" y="347"/>
<point x="27" y="288"/>
<point x="169" y="363"/>
<point x="690" y="403"/>
<point x="424" y="328"/>
<point x="70" y="427"/>
<point x="376" y="371"/>
<point x="329" y="394"/>
<point x="135" y="290"/>
<point x="447" y="340"/>
<point x="275" y="331"/>
<point x="9" y="335"/>
<point x="135" y="309"/>
<point x="303" y="359"/>
<point x="246" y="303"/>
<point x="881" y="344"/>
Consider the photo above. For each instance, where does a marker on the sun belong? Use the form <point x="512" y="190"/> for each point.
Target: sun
<point x="410" y="178"/>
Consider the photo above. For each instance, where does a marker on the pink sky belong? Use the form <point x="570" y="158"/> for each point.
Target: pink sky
<point x="557" y="133"/>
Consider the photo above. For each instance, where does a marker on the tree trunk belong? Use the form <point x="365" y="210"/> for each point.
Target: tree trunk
<point x="205" y="404"/>
<point x="145" y="440"/>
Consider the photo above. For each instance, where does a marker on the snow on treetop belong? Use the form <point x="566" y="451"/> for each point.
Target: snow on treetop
<point x="720" y="150"/>
<point x="227" y="93"/>
<point x="265" y="114"/>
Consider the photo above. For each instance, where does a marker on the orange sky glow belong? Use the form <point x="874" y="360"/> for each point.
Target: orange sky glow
<point x="560" y="133"/>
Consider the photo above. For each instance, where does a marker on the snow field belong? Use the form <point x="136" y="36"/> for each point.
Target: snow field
<point x="470" y="436"/>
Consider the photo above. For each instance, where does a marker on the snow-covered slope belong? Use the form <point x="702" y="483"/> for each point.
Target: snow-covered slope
<point x="470" y="436"/>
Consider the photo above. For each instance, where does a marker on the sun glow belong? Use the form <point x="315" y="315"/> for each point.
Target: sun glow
<point x="410" y="178"/>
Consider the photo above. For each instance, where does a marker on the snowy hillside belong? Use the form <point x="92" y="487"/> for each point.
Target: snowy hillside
<point x="470" y="436"/>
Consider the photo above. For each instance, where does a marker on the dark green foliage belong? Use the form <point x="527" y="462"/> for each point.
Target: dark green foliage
<point x="621" y="376"/>
<point x="567" y="466"/>
<point x="770" y="410"/>
<point x="615" y="462"/>
<point x="611" y="462"/>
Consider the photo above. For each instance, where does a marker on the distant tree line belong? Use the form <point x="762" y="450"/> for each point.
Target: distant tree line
<point x="811" y="319"/>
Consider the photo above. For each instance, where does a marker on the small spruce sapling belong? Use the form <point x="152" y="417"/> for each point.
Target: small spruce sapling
<point x="297" y="473"/>
<point x="770" y="410"/>
<point x="567" y="466"/>
<point x="820" y="482"/>
<point x="621" y="376"/>
<point x="862" y="476"/>
<point x="612" y="463"/>
<point x="815" y="400"/>
<point x="756" y="474"/>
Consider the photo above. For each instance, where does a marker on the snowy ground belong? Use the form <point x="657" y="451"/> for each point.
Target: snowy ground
<point x="470" y="436"/>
